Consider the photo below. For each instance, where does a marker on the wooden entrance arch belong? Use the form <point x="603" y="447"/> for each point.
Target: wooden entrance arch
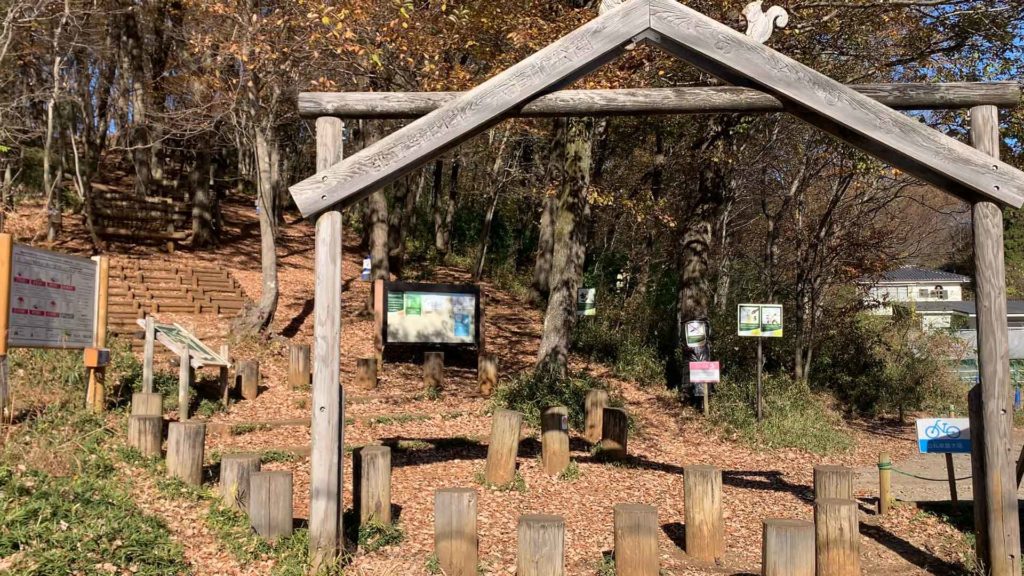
<point x="763" y="80"/>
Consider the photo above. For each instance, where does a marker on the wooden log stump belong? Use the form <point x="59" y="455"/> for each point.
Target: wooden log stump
<point x="787" y="547"/>
<point x="487" y="373"/>
<point x="145" y="434"/>
<point x="705" y="525"/>
<point x="433" y="370"/>
<point x="299" y="369"/>
<point x="455" y="538"/>
<point x="541" y="545"/>
<point x="614" y="432"/>
<point x="636" y="540"/>
<point x="832" y="481"/>
<point x="554" y="424"/>
<point x="270" y="503"/>
<point x="147" y="404"/>
<point x="504" y="445"/>
<point x="249" y="378"/>
<point x="185" y="444"/>
<point x="236" y="472"/>
<point x="593" y="427"/>
<point x="366" y="372"/>
<point x="371" y="484"/>
<point x="836" y="538"/>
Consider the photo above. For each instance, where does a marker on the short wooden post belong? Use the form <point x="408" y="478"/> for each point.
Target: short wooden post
<point x="6" y="249"/>
<point x="836" y="537"/>
<point x="298" y="366"/>
<point x="147" y="404"/>
<point x="224" y="376"/>
<point x="455" y="537"/>
<point x="433" y="370"/>
<point x="503" y="448"/>
<point x="596" y="402"/>
<point x="236" y="472"/>
<point x="270" y="503"/>
<point x="832" y="481"/>
<point x="487" y="373"/>
<point x="366" y="373"/>
<point x="705" y="524"/>
<point x="185" y="444"/>
<point x="371" y="485"/>
<point x="184" y="383"/>
<point x="636" y="540"/>
<point x="787" y="548"/>
<point x="145" y="434"/>
<point x="614" y="432"/>
<point x="249" y="376"/>
<point x="541" y="545"/>
<point x="147" y="355"/>
<point x="554" y="423"/>
<point x="884" y="483"/>
<point x="951" y="477"/>
<point x="96" y="393"/>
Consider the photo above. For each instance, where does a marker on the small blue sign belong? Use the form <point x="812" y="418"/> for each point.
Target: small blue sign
<point x="944" y="435"/>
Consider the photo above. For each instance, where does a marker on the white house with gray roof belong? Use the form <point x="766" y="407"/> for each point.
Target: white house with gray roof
<point x="934" y="294"/>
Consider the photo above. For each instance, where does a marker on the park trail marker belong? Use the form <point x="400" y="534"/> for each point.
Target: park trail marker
<point x="946" y="436"/>
<point x="759" y="321"/>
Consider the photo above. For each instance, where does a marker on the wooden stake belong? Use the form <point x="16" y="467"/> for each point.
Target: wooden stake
<point x="951" y="475"/>
<point x="836" y="538"/>
<point x="787" y="548"/>
<point x="833" y="482"/>
<point x="541" y="545"/>
<point x="371" y="470"/>
<point x="326" y="535"/>
<point x="146" y="434"/>
<point x="504" y="445"/>
<point x="147" y="355"/>
<point x="614" y="433"/>
<point x="455" y="537"/>
<point x="6" y="250"/>
<point x="236" y="472"/>
<point x="249" y="375"/>
<point x="433" y="370"/>
<point x="298" y="366"/>
<point x="366" y="373"/>
<point x="224" y="375"/>
<point x="184" y="382"/>
<point x="270" y="503"/>
<point x="705" y="525"/>
<point x="487" y="373"/>
<point x="185" y="444"/>
<point x="884" y="483"/>
<point x="147" y="404"/>
<point x="554" y="423"/>
<point x="636" y="540"/>
<point x="96" y="395"/>
<point x="1000" y="529"/>
<point x="596" y="402"/>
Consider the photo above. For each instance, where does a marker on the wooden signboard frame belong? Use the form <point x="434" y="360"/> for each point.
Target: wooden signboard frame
<point x="200" y="354"/>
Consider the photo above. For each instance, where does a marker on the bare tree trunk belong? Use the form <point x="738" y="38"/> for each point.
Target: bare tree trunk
<point x="546" y="237"/>
<point x="570" y="230"/>
<point x="203" y="199"/>
<point x="409" y="202"/>
<point x="396" y="219"/>
<point x="377" y="205"/>
<point x="259" y="318"/>
<point x="51" y="183"/>
<point x="443" y="219"/>
<point x="497" y="183"/>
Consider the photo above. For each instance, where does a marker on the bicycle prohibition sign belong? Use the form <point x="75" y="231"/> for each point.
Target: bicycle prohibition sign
<point x="942" y="429"/>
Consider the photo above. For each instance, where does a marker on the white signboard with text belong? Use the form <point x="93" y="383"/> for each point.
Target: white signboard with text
<point x="53" y="299"/>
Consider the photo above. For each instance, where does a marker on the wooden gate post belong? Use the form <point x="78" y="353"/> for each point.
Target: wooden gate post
<point x="371" y="471"/>
<point x="636" y="540"/>
<point x="455" y="538"/>
<point x="832" y="481"/>
<point x="787" y="548"/>
<point x="705" y="524"/>
<point x="270" y="503"/>
<point x="503" y="447"/>
<point x="594" y="405"/>
<point x="554" y="439"/>
<point x="185" y="444"/>
<point x="836" y="538"/>
<point x="997" y="523"/>
<point x="541" y="545"/>
<point x="298" y="366"/>
<point x="326" y="537"/>
<point x="236" y="472"/>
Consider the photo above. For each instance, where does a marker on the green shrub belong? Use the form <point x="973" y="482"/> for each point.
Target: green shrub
<point x="531" y="392"/>
<point x="794" y="417"/>
<point x="629" y="356"/>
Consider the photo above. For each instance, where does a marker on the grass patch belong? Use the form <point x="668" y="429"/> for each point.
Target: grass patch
<point x="176" y="489"/>
<point x="794" y="417"/>
<point x="516" y="484"/>
<point x="398" y="419"/>
<point x="374" y="535"/>
<point x="276" y="456"/>
<point x="242" y="429"/>
<point x="532" y="392"/>
<point x="571" y="472"/>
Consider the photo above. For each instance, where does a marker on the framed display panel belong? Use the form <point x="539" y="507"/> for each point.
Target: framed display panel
<point x="430" y="316"/>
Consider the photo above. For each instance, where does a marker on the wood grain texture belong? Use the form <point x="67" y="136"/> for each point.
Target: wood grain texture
<point x="145" y="434"/>
<point x="96" y="393"/>
<point x="329" y="142"/>
<point x="787" y="548"/>
<point x="326" y="537"/>
<point x="836" y="538"/>
<point x="614" y="433"/>
<point x="554" y="439"/>
<point x="884" y="484"/>
<point x="299" y="369"/>
<point x="236" y="472"/>
<point x="594" y="405"/>
<point x="147" y="404"/>
<point x="147" y="355"/>
<point x="636" y="540"/>
<point x="186" y="442"/>
<point x="999" y="498"/>
<point x="224" y="376"/>
<point x="371" y="478"/>
<point x="651" y="101"/>
<point x="503" y="447"/>
<point x="705" y="522"/>
<point x="249" y="379"/>
<point x="831" y="481"/>
<point x="184" y="383"/>
<point x="894" y="138"/>
<point x="487" y="373"/>
<point x="455" y="538"/>
<point x="557" y="65"/>
<point x="541" y="545"/>
<point x="270" y="504"/>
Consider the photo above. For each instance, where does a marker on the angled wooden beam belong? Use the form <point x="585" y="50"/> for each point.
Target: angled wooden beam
<point x="892" y="137"/>
<point x="648" y="101"/>
<point x="560" y="63"/>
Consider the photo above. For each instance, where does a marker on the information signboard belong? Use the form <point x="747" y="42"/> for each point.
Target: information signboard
<point x="427" y="314"/>
<point x="944" y="435"/>
<point x="760" y="320"/>
<point x="52" y="299"/>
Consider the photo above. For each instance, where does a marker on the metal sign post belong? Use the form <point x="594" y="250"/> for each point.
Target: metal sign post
<point x="759" y="321"/>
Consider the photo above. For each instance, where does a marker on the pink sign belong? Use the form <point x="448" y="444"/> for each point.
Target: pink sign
<point x="704" y="371"/>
